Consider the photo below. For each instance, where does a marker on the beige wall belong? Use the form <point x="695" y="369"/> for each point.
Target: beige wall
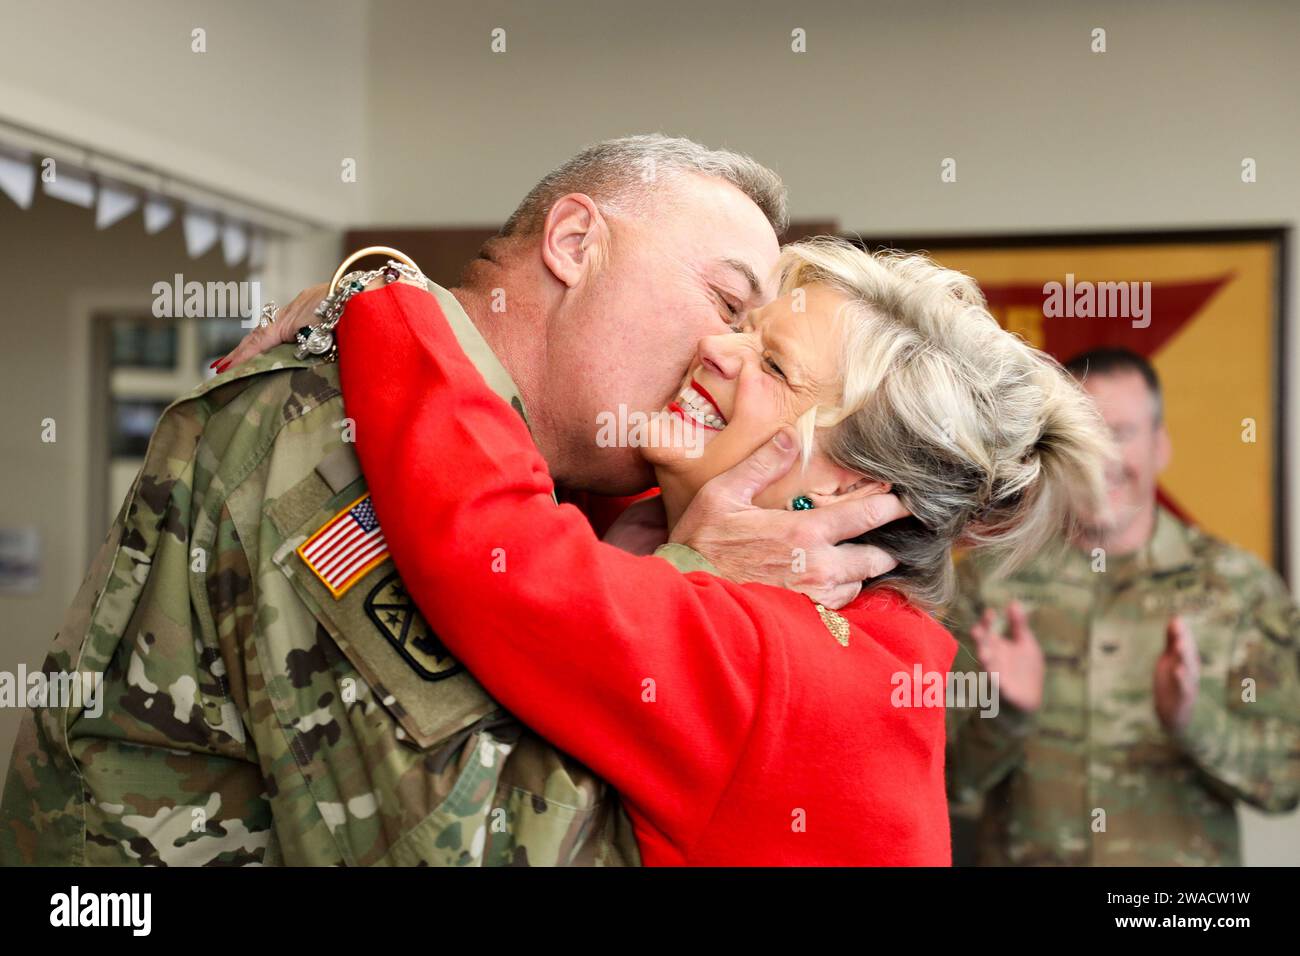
<point x="1047" y="136"/>
<point x="268" y="113"/>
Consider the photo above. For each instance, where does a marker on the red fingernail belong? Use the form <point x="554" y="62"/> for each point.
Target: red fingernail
<point x="222" y="367"/>
<point x="215" y="363"/>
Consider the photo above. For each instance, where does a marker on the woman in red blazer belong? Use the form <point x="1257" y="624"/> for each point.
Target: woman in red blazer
<point x="766" y="730"/>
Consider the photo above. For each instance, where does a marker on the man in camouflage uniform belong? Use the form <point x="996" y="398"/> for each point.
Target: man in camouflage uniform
<point x="1148" y="676"/>
<point x="249" y="715"/>
<point x="257" y="710"/>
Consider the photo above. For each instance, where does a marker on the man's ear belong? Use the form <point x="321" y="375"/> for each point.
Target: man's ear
<point x="572" y="235"/>
<point x="1164" y="448"/>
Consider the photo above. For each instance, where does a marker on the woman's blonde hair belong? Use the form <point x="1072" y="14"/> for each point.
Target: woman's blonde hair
<point x="987" y="441"/>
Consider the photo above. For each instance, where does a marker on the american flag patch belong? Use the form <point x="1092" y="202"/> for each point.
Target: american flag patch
<point x="347" y="547"/>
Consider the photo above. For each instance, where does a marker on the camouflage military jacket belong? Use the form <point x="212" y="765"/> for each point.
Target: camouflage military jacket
<point x="1092" y="777"/>
<point x="252" y="715"/>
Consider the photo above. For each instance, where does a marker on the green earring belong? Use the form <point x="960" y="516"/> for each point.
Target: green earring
<point x="802" y="503"/>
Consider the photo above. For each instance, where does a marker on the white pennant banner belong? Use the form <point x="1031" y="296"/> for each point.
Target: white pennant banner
<point x="18" y="180"/>
<point x="158" y="214"/>
<point x="257" y="252"/>
<point x="71" y="186"/>
<point x="114" y="205"/>
<point x="234" y="242"/>
<point x="201" y="232"/>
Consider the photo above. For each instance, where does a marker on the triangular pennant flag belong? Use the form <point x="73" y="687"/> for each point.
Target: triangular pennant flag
<point x="114" y="205"/>
<point x="257" y="252"/>
<point x="71" y="186"/>
<point x="234" y="243"/>
<point x="18" y="179"/>
<point x="158" y="213"/>
<point x="201" y="232"/>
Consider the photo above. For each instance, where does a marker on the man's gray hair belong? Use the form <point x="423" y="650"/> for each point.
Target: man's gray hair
<point x="619" y="175"/>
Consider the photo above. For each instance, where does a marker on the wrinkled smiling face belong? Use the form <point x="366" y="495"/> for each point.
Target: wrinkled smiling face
<point x="742" y="387"/>
<point x="688" y="269"/>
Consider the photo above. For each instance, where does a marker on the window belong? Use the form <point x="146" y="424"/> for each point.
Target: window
<point x="141" y="365"/>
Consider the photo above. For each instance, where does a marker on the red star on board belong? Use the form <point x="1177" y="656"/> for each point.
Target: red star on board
<point x="1171" y="306"/>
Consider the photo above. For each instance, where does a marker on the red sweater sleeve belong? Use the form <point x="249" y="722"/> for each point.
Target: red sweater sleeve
<point x="648" y="676"/>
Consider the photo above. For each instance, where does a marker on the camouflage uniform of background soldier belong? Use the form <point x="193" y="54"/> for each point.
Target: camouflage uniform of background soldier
<point x="249" y="715"/>
<point x="1096" y="743"/>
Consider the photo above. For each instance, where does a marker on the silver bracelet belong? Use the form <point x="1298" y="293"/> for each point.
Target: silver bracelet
<point x="319" y="340"/>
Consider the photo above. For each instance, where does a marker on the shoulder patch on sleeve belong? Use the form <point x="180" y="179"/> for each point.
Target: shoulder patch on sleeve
<point x="346" y="547"/>
<point x="392" y="610"/>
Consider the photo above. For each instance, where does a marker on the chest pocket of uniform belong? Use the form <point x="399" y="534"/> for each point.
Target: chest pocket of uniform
<point x="374" y="621"/>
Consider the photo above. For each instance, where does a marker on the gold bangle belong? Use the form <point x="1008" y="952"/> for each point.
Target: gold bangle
<point x="371" y="251"/>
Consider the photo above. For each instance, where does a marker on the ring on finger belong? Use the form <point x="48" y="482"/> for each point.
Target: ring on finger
<point x="269" y="313"/>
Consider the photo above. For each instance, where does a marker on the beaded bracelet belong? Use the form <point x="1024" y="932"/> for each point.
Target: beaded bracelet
<point x="318" y="339"/>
